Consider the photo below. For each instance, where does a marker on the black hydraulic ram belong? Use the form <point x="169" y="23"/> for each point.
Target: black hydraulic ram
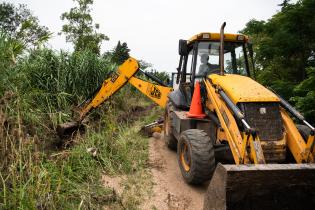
<point x="294" y="112"/>
<point x="236" y="111"/>
<point x="154" y="78"/>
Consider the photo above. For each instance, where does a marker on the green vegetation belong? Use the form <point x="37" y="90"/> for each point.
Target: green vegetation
<point x="38" y="89"/>
<point x="80" y="29"/>
<point x="39" y="171"/>
<point x="120" y="53"/>
<point x="285" y="53"/>
<point x="20" y="24"/>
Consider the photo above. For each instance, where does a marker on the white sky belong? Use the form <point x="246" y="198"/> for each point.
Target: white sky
<point x="152" y="28"/>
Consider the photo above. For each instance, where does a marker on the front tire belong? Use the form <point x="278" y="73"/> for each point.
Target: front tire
<point x="196" y="156"/>
<point x="169" y="137"/>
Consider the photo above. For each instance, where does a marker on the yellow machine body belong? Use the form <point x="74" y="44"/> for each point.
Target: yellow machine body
<point x="255" y="180"/>
<point x="243" y="89"/>
<point x="264" y="170"/>
<point x="207" y="36"/>
<point x="156" y="93"/>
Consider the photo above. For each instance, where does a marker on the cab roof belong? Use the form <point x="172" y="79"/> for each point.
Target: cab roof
<point x="207" y="36"/>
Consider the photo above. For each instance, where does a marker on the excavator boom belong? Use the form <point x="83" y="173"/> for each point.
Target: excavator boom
<point x="124" y="74"/>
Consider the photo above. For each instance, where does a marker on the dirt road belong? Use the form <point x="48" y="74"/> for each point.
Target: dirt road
<point x="170" y="190"/>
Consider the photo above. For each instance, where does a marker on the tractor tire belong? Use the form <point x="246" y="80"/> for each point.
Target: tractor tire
<point x="304" y="131"/>
<point x="169" y="137"/>
<point x="196" y="158"/>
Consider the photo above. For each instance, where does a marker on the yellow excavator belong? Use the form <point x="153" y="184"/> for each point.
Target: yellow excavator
<point x="124" y="74"/>
<point x="246" y="143"/>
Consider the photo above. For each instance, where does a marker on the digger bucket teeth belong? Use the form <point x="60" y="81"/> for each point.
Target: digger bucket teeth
<point x="260" y="187"/>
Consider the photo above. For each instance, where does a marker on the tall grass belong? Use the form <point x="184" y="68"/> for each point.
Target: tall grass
<point x="37" y="92"/>
<point x="55" y="80"/>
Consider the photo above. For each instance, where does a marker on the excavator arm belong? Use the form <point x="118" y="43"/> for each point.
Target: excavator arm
<point x="124" y="74"/>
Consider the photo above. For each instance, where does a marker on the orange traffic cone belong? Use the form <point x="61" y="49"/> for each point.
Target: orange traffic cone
<point x="195" y="110"/>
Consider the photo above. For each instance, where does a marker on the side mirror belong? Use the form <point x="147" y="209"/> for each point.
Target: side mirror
<point x="182" y="47"/>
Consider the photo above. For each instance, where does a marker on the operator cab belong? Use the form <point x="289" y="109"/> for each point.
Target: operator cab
<point x="200" y="57"/>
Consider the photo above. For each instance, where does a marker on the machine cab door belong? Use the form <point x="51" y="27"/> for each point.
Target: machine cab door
<point x="182" y="79"/>
<point x="187" y="80"/>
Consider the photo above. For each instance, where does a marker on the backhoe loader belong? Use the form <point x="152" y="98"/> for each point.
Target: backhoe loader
<point x="246" y="142"/>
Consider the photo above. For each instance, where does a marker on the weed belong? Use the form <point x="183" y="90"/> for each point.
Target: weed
<point x="37" y="92"/>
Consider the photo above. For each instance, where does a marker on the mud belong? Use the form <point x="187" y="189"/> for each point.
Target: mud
<point x="170" y="192"/>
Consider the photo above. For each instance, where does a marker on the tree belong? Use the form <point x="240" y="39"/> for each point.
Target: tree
<point x="9" y="49"/>
<point x="120" y="53"/>
<point x="285" y="42"/>
<point x="144" y="66"/>
<point x="284" y="4"/>
<point x="305" y="95"/>
<point x="80" y="29"/>
<point x="284" y="52"/>
<point x="19" y="23"/>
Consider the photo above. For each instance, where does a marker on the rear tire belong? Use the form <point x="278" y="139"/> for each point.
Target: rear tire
<point x="169" y="137"/>
<point x="196" y="156"/>
<point x="304" y="131"/>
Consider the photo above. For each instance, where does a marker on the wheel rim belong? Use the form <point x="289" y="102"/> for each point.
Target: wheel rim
<point x="185" y="157"/>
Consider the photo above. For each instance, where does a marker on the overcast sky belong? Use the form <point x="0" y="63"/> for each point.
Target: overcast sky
<point x="152" y="28"/>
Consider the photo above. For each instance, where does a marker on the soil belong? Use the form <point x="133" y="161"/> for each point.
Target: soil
<point x="170" y="190"/>
<point x="113" y="183"/>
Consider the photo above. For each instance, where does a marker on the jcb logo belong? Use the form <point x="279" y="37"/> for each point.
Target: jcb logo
<point x="114" y="76"/>
<point x="154" y="92"/>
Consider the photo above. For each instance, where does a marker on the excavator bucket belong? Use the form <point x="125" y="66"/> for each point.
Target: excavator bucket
<point x="67" y="129"/>
<point x="260" y="187"/>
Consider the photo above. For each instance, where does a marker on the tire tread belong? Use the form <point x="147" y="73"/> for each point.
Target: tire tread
<point x="202" y="156"/>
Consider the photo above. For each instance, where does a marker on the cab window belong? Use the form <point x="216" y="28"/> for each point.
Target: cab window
<point x="208" y="58"/>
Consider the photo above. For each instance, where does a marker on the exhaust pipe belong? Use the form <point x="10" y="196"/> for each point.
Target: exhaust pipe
<point x="222" y="49"/>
